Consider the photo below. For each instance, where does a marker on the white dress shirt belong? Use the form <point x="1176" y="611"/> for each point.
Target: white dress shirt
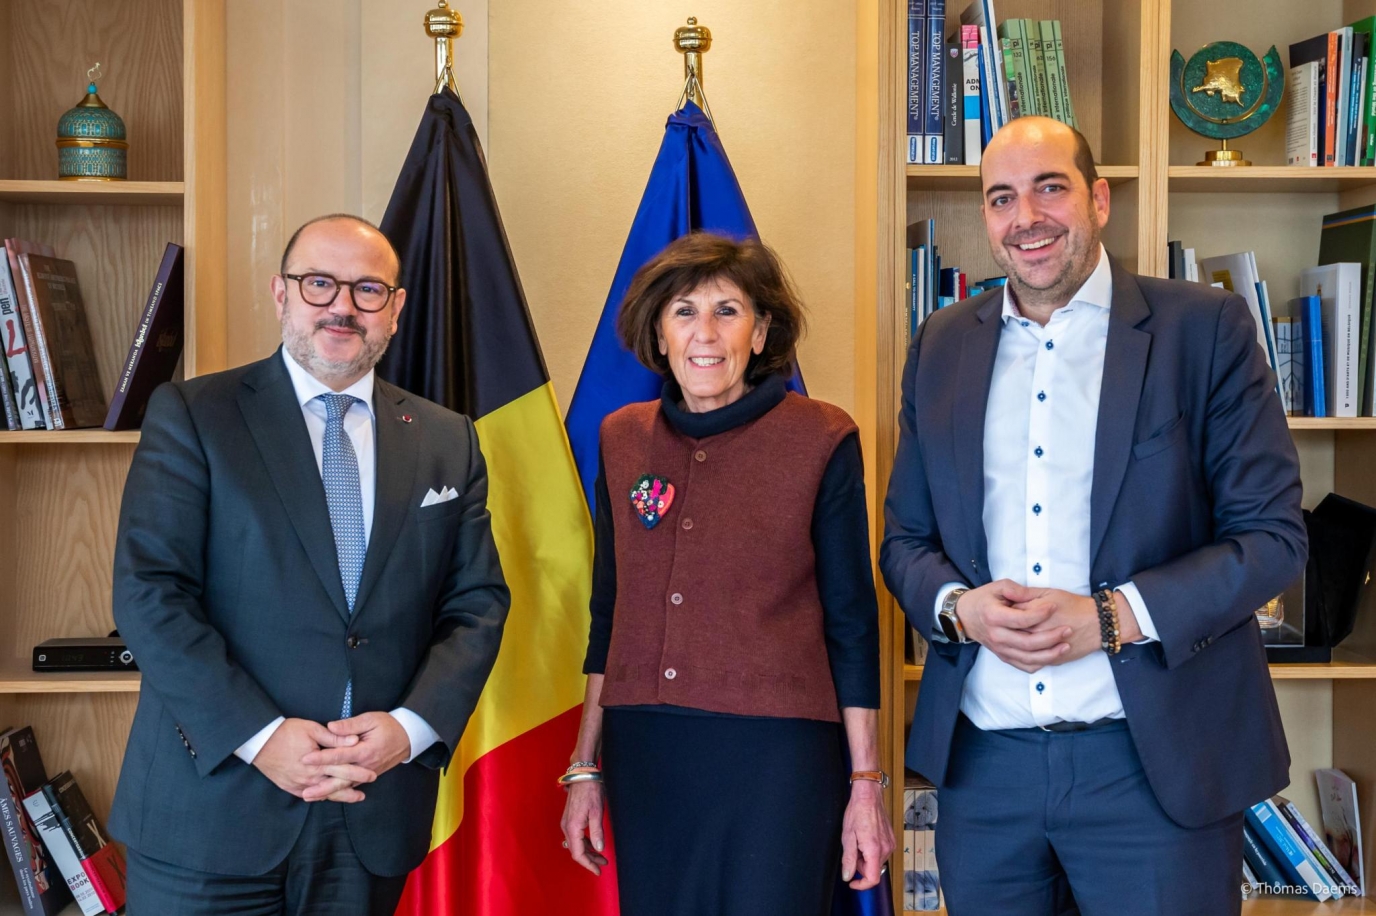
<point x="360" y="424"/>
<point x="1039" y="431"/>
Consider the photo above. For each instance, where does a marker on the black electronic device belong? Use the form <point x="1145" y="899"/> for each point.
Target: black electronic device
<point x="89" y="653"/>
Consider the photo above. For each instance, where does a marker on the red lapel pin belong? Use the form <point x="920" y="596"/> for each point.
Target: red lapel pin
<point x="406" y="418"/>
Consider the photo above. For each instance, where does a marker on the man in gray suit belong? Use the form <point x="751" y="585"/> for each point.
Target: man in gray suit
<point x="306" y="573"/>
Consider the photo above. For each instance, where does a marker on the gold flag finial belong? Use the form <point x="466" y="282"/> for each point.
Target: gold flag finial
<point x="692" y="41"/>
<point x="444" y="25"/>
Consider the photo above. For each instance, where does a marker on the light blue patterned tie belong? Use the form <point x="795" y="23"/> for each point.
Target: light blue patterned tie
<point x="344" y="495"/>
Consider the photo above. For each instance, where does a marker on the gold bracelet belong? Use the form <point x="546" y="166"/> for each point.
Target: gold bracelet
<point x="569" y="779"/>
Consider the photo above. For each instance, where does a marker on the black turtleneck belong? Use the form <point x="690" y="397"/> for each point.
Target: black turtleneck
<point x="840" y="540"/>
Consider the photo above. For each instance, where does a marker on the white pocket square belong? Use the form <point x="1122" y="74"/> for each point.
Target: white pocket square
<point x="443" y="496"/>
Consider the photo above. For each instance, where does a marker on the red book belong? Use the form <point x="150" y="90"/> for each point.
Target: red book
<point x="100" y="859"/>
<point x="1333" y="84"/>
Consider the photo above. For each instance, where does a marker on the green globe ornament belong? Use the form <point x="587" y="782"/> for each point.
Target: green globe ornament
<point x="1224" y="92"/>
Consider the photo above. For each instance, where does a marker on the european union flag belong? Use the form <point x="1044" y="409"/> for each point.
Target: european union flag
<point x="691" y="188"/>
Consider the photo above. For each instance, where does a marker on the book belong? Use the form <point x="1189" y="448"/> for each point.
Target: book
<point x="1333" y="78"/>
<point x="1285" y="365"/>
<point x="953" y="104"/>
<point x="1285" y="848"/>
<point x="1015" y="109"/>
<point x="62" y="340"/>
<point x="157" y="344"/>
<point x="44" y="818"/>
<point x="13" y="249"/>
<point x="1367" y="27"/>
<point x="1238" y="274"/>
<point x="1268" y="329"/>
<point x="9" y="407"/>
<point x="1319" y="848"/>
<point x="1315" y="50"/>
<point x="1015" y="65"/>
<point x="1191" y="266"/>
<point x="1338" y="287"/>
<point x="1302" y="146"/>
<point x="1254" y="853"/>
<point x="1356" y="83"/>
<point x="100" y="859"/>
<point x="42" y="891"/>
<point x="14" y="346"/>
<point x="921" y="881"/>
<point x="981" y="13"/>
<point x="969" y="54"/>
<point x="917" y="24"/>
<point x="1341" y="823"/>
<point x="1344" y="89"/>
<point x="1053" y="85"/>
<point x="933" y="124"/>
<point x="1350" y="235"/>
<point x="1308" y="312"/>
<point x="1063" y="75"/>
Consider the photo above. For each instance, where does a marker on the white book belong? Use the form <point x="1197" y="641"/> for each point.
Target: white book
<point x="1344" y="91"/>
<point x="969" y="60"/>
<point x="1342" y="826"/>
<point x="1339" y="288"/>
<point x="1285" y="363"/>
<point x="1238" y="273"/>
<point x="1302" y="117"/>
<point x="60" y="848"/>
<point x="1191" y="266"/>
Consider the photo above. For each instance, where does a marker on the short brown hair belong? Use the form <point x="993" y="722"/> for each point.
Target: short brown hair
<point x="698" y="258"/>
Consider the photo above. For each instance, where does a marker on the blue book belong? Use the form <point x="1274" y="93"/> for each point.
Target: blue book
<point x="950" y="282"/>
<point x="914" y="297"/>
<point x="917" y="26"/>
<point x="986" y="127"/>
<point x="1360" y="46"/>
<point x="1291" y="856"/>
<point x="933" y="65"/>
<point x="1308" y="310"/>
<point x="1263" y="866"/>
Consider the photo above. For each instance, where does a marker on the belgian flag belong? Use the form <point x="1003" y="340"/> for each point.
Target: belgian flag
<point x="466" y="341"/>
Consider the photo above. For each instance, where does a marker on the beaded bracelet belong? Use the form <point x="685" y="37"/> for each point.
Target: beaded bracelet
<point x="1110" y="636"/>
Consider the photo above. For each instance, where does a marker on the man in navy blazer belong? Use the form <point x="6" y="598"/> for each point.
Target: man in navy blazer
<point x="1094" y="491"/>
<point x="313" y="618"/>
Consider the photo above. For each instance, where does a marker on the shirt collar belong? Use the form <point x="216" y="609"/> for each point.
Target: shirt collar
<point x="308" y="387"/>
<point x="1096" y="291"/>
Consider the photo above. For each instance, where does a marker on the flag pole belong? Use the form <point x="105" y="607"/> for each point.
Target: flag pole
<point x="692" y="41"/>
<point x="444" y="25"/>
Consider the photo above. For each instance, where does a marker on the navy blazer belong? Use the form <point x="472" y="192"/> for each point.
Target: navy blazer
<point x="1195" y="498"/>
<point x="227" y="589"/>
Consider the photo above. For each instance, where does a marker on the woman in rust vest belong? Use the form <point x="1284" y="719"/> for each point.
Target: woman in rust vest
<point x="733" y="658"/>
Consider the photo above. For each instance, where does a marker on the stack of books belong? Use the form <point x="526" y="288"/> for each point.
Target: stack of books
<point x="962" y="88"/>
<point x="1329" y="90"/>
<point x="49" y="378"/>
<point x="57" y="848"/>
<point x="930" y="285"/>
<point x="1284" y="855"/>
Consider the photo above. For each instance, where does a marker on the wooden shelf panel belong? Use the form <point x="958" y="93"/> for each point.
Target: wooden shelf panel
<point x="1366" y="423"/>
<point x="1272" y="179"/>
<point x="1294" y="906"/>
<point x="70" y="437"/>
<point x="124" y="193"/>
<point x="1345" y="666"/>
<point x="16" y="676"/>
<point x="966" y="177"/>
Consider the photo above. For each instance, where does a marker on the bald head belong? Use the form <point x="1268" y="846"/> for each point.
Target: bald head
<point x="1048" y="132"/>
<point x="344" y="224"/>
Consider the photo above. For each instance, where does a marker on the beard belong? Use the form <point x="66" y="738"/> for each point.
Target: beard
<point x="1081" y="257"/>
<point x="301" y="345"/>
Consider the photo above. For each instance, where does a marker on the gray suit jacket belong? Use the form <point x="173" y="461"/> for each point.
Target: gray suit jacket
<point x="227" y="589"/>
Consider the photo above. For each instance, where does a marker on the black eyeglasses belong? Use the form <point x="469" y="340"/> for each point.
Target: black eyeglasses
<point x="320" y="290"/>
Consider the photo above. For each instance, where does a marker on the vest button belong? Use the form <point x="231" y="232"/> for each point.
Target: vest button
<point x="687" y="524"/>
<point x="676" y="598"/>
<point x="671" y="674"/>
<point x="700" y="455"/>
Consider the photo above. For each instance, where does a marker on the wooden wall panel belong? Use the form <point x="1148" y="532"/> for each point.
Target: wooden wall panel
<point x="66" y="512"/>
<point x="52" y="44"/>
<point x="116" y="251"/>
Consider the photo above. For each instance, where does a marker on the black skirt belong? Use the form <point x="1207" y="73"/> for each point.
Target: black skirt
<point x="724" y="815"/>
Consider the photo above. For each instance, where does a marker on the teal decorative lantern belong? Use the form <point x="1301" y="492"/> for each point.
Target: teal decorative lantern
<point x="1223" y="92"/>
<point x="91" y="141"/>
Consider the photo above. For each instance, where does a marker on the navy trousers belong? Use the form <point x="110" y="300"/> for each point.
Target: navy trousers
<point x="1038" y="823"/>
<point x="320" y="877"/>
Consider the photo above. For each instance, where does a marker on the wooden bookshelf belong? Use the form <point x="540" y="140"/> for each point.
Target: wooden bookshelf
<point x="60" y="490"/>
<point x="1118" y="63"/>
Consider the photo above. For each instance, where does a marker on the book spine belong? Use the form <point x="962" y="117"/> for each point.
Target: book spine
<point x="1032" y="41"/>
<point x="1301" y="120"/>
<point x="917" y="22"/>
<point x="1285" y="364"/>
<point x="1053" y="85"/>
<point x="1265" y="867"/>
<point x="1314" y="357"/>
<point x="1332" y="82"/>
<point x="60" y="848"/>
<point x="1010" y="41"/>
<point x="969" y="39"/>
<point x="1320" y="849"/>
<point x="1344" y="81"/>
<point x="1063" y="76"/>
<point x="1363" y="103"/>
<point x="7" y="401"/>
<point x="953" y="104"/>
<point x="52" y="405"/>
<point x="1354" y="100"/>
<point x="1270" y="829"/>
<point x="986" y="102"/>
<point x="17" y="850"/>
<point x="933" y="126"/>
<point x="997" y="77"/>
<point x="17" y="348"/>
<point x="1012" y="90"/>
<point x="1369" y="100"/>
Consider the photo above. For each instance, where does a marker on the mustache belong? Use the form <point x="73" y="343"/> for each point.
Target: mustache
<point x="348" y="322"/>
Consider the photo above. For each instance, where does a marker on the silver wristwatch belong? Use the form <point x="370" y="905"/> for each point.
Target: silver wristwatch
<point x="949" y="622"/>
